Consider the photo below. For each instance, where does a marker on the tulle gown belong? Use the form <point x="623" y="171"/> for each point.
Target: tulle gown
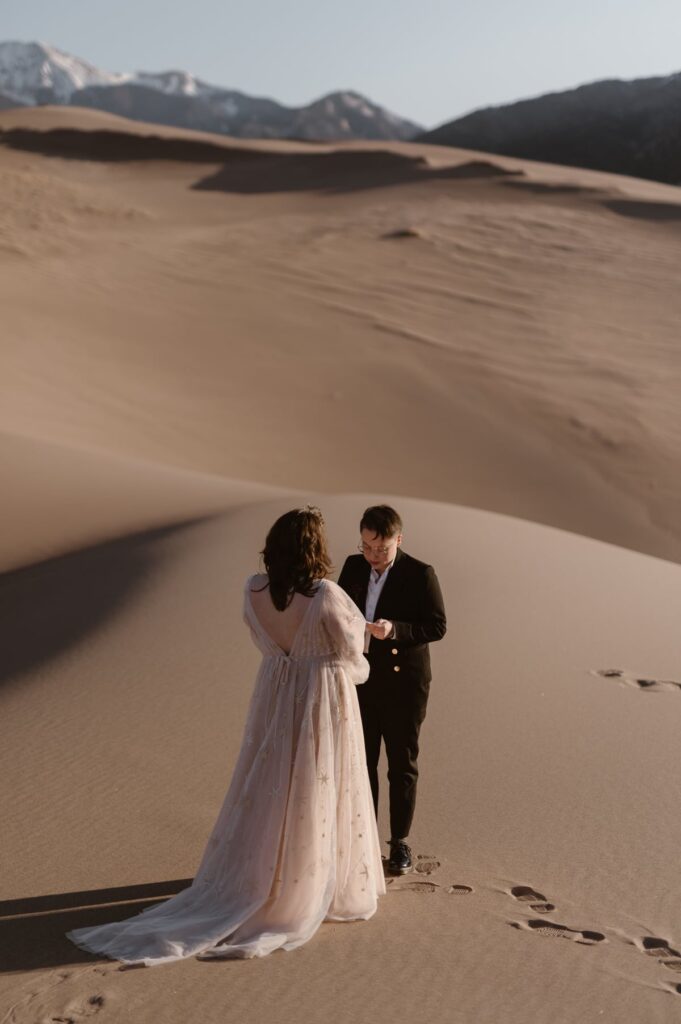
<point x="295" y="842"/>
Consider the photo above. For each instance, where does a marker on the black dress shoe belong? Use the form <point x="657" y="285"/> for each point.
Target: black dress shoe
<point x="400" y="858"/>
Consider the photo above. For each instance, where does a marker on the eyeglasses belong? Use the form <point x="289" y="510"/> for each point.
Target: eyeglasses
<point x="366" y="549"/>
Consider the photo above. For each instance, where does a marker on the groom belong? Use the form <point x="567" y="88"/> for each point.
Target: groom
<point x="403" y="606"/>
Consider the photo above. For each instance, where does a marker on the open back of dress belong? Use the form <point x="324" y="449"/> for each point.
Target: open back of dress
<point x="295" y="842"/>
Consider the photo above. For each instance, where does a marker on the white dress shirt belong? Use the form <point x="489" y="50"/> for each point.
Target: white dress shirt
<point x="376" y="584"/>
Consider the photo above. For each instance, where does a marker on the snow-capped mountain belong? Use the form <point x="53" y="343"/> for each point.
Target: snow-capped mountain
<point x="38" y="73"/>
<point x="348" y="114"/>
<point x="174" y="83"/>
<point x="35" y="73"/>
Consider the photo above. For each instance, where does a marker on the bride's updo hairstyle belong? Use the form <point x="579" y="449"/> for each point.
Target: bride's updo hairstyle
<point x="296" y="555"/>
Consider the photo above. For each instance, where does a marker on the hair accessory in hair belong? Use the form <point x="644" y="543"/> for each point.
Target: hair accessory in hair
<point x="312" y="510"/>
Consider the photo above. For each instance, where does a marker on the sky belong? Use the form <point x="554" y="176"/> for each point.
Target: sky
<point x="430" y="62"/>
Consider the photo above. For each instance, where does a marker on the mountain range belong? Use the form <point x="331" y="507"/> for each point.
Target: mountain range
<point x="36" y="73"/>
<point x="628" y="127"/>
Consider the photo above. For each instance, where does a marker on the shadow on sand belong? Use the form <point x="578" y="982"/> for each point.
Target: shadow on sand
<point x="33" y="929"/>
<point x="118" y="147"/>
<point x="552" y="188"/>
<point x="250" y="170"/>
<point x="645" y="211"/>
<point x="635" y="208"/>
<point x="342" y="171"/>
<point x="49" y="607"/>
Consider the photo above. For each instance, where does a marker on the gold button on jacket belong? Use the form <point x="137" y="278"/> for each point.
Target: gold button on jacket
<point x="396" y="668"/>
<point x="395" y="651"/>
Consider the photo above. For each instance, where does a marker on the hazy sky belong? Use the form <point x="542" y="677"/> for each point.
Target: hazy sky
<point x="429" y="61"/>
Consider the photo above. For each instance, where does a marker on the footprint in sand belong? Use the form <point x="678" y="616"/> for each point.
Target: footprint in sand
<point x="401" y="884"/>
<point x="93" y="1004"/>
<point x="425" y="865"/>
<point x="670" y="986"/>
<point x="537" y="902"/>
<point x="420" y="887"/>
<point x="560" y="931"/>
<point x="662" y="951"/>
<point x="640" y="682"/>
<point x="673" y="965"/>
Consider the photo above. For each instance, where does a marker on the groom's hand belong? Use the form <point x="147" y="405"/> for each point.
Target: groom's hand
<point x="380" y="629"/>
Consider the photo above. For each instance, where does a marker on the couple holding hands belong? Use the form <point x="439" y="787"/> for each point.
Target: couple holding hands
<point x="344" y="666"/>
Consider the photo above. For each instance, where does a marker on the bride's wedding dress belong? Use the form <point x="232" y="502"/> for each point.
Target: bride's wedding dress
<point x="296" y="841"/>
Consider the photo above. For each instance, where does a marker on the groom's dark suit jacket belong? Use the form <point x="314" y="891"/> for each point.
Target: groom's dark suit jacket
<point x="411" y="599"/>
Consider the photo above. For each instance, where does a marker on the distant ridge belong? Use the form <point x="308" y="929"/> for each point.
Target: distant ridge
<point x="35" y="73"/>
<point x="623" y="127"/>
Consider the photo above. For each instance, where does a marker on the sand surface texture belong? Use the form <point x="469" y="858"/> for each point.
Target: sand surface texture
<point x="199" y="334"/>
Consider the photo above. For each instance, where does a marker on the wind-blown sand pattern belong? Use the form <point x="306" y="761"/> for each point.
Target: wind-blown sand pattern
<point x="195" y="342"/>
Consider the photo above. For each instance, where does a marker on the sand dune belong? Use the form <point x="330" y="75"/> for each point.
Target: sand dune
<point x="57" y="498"/>
<point x="199" y="333"/>
<point x="538" y="773"/>
<point x="148" y="315"/>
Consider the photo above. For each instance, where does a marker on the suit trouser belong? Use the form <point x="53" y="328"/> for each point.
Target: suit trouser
<point x="393" y="712"/>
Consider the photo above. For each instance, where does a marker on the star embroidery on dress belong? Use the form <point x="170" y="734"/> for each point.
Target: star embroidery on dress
<point x="365" y="872"/>
<point x="323" y="778"/>
<point x="275" y="789"/>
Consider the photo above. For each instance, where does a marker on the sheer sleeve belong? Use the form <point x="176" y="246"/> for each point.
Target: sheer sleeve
<point x="344" y="624"/>
<point x="245" y="609"/>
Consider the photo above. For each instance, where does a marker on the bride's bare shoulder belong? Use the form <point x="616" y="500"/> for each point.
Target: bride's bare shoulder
<point x="257" y="581"/>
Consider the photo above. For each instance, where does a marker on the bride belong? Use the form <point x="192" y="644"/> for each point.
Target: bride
<point x="295" y="842"/>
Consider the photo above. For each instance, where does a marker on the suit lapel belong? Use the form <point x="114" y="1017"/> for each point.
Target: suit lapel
<point x="364" y="586"/>
<point x="358" y="584"/>
<point x="389" y="587"/>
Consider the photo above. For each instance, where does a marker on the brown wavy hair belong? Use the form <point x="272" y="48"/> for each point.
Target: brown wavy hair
<point x="296" y="555"/>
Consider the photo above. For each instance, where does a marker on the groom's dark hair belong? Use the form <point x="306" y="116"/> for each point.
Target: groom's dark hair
<point x="381" y="520"/>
